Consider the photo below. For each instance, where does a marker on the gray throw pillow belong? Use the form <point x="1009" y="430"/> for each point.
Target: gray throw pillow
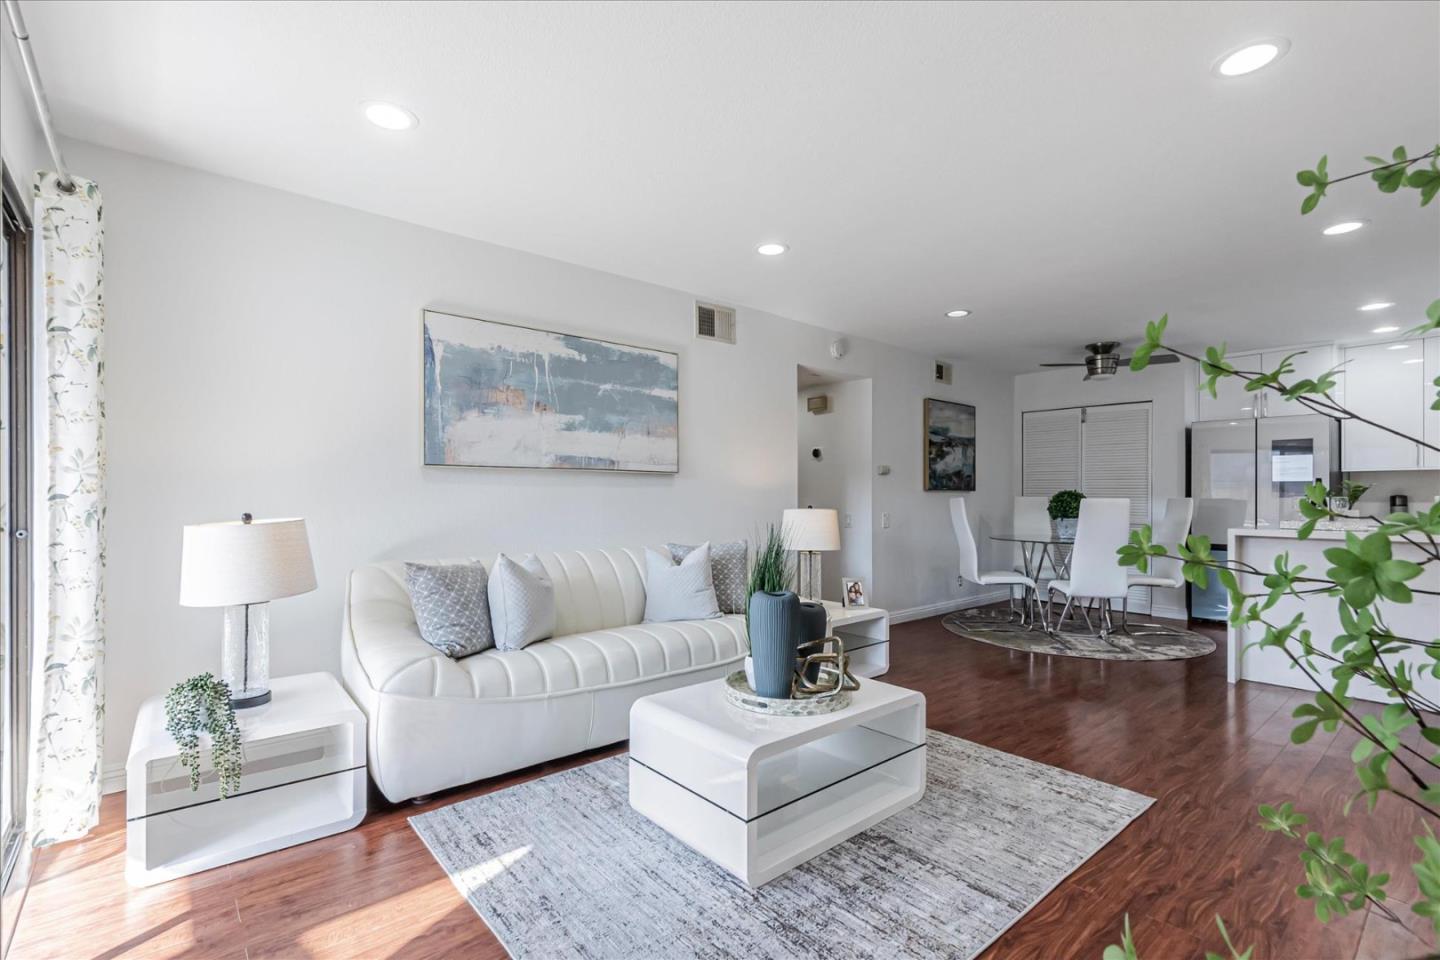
<point x="681" y="591"/>
<point x="522" y="602"/>
<point x="729" y="568"/>
<point x="452" y="606"/>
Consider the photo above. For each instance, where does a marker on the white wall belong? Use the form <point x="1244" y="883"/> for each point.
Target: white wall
<point x="264" y="355"/>
<point x="842" y="479"/>
<point x="1170" y="390"/>
<point x="22" y="145"/>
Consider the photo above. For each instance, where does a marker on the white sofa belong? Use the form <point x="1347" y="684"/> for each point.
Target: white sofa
<point x="436" y="723"/>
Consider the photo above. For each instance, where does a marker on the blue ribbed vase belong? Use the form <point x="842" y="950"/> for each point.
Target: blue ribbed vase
<point x="774" y="628"/>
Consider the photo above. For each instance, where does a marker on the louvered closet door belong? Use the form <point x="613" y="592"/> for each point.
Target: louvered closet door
<point x="1049" y="452"/>
<point x="1115" y="462"/>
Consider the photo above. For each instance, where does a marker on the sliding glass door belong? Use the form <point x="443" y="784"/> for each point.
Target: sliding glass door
<point x="14" y="536"/>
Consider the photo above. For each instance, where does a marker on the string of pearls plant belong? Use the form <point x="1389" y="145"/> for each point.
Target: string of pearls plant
<point x="202" y="705"/>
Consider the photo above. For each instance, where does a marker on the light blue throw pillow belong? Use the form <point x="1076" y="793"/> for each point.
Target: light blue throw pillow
<point x="729" y="566"/>
<point x="522" y="602"/>
<point x="683" y="591"/>
<point x="451" y="605"/>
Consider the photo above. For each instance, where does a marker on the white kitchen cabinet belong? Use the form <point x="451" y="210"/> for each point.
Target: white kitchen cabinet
<point x="1431" y="458"/>
<point x="1231" y="401"/>
<point x="1308" y="366"/>
<point x="1384" y="387"/>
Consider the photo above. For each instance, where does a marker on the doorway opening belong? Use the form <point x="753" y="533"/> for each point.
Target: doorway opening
<point x="834" y="451"/>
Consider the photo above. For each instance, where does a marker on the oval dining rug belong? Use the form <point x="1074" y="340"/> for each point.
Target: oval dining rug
<point x="563" y="867"/>
<point x="1176" y="644"/>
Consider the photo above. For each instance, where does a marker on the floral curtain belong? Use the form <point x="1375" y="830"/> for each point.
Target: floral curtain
<point x="68" y="710"/>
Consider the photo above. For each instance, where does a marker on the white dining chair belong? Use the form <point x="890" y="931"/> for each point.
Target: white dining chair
<point x="1171" y="529"/>
<point x="970" y="561"/>
<point x="1095" y="571"/>
<point x="1032" y="519"/>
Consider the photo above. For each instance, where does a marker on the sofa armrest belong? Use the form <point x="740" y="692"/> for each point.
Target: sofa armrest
<point x="381" y="629"/>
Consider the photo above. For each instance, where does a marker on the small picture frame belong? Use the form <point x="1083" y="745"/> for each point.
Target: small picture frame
<point x="852" y="593"/>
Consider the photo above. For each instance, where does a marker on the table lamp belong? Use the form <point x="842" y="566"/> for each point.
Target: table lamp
<point x="241" y="565"/>
<point x="809" y="531"/>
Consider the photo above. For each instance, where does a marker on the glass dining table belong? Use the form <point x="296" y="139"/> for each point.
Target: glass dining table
<point x="1037" y="548"/>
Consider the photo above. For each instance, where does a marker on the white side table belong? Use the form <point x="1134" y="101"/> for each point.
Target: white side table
<point x="303" y="778"/>
<point x="866" y="633"/>
<point x="758" y="794"/>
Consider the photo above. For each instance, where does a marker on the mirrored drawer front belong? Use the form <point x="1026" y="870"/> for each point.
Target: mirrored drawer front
<point x="268" y="762"/>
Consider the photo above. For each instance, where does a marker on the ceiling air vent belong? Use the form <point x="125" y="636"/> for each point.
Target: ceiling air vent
<point x="714" y="323"/>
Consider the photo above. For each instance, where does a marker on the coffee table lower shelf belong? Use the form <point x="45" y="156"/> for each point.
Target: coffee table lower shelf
<point x="759" y="850"/>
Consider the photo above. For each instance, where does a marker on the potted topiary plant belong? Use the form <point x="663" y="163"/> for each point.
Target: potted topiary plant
<point x="1065" y="513"/>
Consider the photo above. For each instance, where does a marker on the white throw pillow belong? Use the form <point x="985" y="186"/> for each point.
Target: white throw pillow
<point x="522" y="602"/>
<point x="684" y="591"/>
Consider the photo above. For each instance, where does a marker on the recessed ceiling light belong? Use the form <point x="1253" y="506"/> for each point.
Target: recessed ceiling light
<point x="1388" y="328"/>
<point x="389" y="116"/>
<point x="771" y="249"/>
<point x="1414" y="360"/>
<point x="1344" y="226"/>
<point x="1251" y="57"/>
<point x="957" y="314"/>
<point x="1398" y="346"/>
<point x="1377" y="305"/>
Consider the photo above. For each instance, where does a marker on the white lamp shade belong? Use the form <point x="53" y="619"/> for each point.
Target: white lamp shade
<point x="222" y="564"/>
<point x="811" y="529"/>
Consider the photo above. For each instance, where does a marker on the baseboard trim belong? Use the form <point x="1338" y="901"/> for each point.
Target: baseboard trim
<point x="112" y="778"/>
<point x="948" y="606"/>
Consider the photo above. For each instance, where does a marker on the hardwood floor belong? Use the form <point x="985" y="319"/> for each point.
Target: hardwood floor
<point x="1176" y="731"/>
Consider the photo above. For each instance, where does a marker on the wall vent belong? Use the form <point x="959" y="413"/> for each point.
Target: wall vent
<point x="714" y="322"/>
<point x="942" y="372"/>
<point x="820" y="403"/>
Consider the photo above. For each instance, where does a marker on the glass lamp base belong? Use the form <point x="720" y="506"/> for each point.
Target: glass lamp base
<point x="245" y="654"/>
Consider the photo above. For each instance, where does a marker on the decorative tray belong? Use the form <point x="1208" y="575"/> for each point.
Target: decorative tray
<point x="739" y="694"/>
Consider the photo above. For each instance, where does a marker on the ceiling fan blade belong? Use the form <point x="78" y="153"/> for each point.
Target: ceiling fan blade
<point x="1062" y="364"/>
<point x="1159" y="358"/>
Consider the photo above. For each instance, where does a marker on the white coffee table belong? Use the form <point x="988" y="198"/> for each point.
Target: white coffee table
<point x="759" y="795"/>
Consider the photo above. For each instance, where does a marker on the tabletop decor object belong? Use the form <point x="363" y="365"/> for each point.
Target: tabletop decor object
<point x="823" y="673"/>
<point x="1064" y="510"/>
<point x="241" y="565"/>
<point x="739" y="693"/>
<point x="774" y="635"/>
<point x="808" y="531"/>
<point x="202" y="705"/>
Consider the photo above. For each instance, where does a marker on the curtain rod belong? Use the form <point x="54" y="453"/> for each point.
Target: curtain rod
<point x="37" y="91"/>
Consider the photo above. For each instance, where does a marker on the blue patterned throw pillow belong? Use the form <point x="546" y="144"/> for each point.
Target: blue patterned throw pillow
<point x="452" y="607"/>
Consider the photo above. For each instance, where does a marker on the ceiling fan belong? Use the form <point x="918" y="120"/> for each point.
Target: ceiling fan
<point x="1103" y="359"/>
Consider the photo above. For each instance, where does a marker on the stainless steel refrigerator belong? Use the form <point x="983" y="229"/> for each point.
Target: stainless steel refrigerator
<point x="1253" y="473"/>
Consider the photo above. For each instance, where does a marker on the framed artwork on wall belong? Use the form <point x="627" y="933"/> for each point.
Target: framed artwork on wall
<point x="503" y="395"/>
<point x="949" y="446"/>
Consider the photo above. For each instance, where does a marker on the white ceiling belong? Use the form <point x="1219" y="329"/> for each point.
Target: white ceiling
<point x="1066" y="170"/>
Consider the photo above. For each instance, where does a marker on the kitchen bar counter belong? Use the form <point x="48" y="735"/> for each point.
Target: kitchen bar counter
<point x="1260" y="546"/>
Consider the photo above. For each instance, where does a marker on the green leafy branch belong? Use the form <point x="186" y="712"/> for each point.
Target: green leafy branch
<point x="1337" y="881"/>
<point x="1312" y="393"/>
<point x="1389" y="175"/>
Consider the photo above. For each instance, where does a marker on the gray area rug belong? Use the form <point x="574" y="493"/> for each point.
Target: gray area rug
<point x="562" y="867"/>
<point x="993" y="628"/>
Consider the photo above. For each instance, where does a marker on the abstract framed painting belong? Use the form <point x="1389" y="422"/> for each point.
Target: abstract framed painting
<point x="949" y="446"/>
<point x="503" y="395"/>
